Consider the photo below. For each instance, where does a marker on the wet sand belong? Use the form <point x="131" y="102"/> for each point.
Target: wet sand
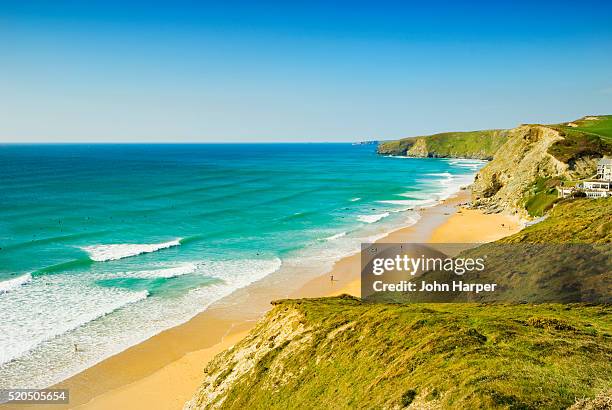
<point x="164" y="371"/>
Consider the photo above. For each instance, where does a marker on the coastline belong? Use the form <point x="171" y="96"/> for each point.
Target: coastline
<point x="165" y="370"/>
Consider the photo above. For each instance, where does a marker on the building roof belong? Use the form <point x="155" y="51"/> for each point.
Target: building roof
<point x="605" y="161"/>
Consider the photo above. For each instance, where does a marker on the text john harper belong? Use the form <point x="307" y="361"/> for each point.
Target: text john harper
<point x="454" y="286"/>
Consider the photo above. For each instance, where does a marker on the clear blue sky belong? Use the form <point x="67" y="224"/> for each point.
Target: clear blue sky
<point x="288" y="71"/>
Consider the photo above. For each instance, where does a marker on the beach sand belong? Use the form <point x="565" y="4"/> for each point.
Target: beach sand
<point x="164" y="371"/>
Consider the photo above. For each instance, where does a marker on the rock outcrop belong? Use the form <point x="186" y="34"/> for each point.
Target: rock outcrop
<point x="264" y="343"/>
<point x="502" y="185"/>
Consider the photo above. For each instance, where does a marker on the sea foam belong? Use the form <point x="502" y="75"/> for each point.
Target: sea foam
<point x="51" y="311"/>
<point x="11" y="284"/>
<point x="81" y="315"/>
<point x="370" y="219"/>
<point x="103" y="253"/>
<point x="336" y="236"/>
<point x="162" y="272"/>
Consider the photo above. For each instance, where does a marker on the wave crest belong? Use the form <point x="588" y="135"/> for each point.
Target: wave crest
<point x="370" y="219"/>
<point x="103" y="253"/>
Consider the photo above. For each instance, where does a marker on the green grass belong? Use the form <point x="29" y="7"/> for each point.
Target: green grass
<point x="571" y="221"/>
<point x="359" y="355"/>
<point x="469" y="144"/>
<point x="602" y="126"/>
<point x="541" y="196"/>
<point x="590" y="138"/>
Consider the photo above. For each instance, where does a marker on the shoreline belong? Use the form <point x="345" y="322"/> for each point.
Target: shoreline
<point x="166" y="369"/>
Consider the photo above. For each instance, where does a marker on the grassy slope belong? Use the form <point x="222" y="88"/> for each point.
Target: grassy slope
<point x="470" y="144"/>
<point x="571" y="221"/>
<point x="591" y="137"/>
<point x="602" y="126"/>
<point x="356" y="355"/>
<point x="541" y="197"/>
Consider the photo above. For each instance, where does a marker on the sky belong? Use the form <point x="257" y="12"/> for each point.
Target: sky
<point x="237" y="71"/>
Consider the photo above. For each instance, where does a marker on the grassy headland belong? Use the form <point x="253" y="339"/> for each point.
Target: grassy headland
<point x="470" y="144"/>
<point x="571" y="221"/>
<point x="591" y="135"/>
<point x="342" y="353"/>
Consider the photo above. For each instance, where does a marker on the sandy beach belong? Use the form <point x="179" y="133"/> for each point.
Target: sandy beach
<point x="164" y="371"/>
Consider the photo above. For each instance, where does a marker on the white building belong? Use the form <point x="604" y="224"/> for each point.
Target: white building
<point x="596" y="184"/>
<point x="600" y="187"/>
<point x="604" y="169"/>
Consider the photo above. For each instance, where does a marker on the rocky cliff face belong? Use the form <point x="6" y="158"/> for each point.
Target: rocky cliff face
<point x="419" y="149"/>
<point x="252" y="356"/>
<point x="502" y="185"/>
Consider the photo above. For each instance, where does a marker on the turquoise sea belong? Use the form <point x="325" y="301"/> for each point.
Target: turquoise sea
<point x="104" y="246"/>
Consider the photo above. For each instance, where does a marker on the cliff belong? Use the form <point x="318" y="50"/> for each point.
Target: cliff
<point x="342" y="353"/>
<point x="526" y="163"/>
<point x="524" y="171"/>
<point x="502" y="184"/>
<point x="472" y="144"/>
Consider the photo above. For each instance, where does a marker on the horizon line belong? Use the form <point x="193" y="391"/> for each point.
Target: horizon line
<point x="181" y="142"/>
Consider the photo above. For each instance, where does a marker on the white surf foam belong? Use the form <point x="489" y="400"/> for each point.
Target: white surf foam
<point x="52" y="306"/>
<point x="370" y="219"/>
<point x="409" y="204"/>
<point x="163" y="272"/>
<point x="467" y="163"/>
<point x="97" y="333"/>
<point x="354" y="199"/>
<point x="11" y="284"/>
<point x="103" y="253"/>
<point x="336" y="236"/>
<point x="404" y="202"/>
<point x="239" y="273"/>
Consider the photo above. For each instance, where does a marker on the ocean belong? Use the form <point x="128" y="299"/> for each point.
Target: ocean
<point x="103" y="246"/>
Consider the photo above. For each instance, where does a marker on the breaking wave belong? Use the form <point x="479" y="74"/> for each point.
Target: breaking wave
<point x="103" y="253"/>
<point x="370" y="219"/>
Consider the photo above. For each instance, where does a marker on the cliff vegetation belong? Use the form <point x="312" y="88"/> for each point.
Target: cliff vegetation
<point x="471" y="144"/>
<point x="340" y="353"/>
